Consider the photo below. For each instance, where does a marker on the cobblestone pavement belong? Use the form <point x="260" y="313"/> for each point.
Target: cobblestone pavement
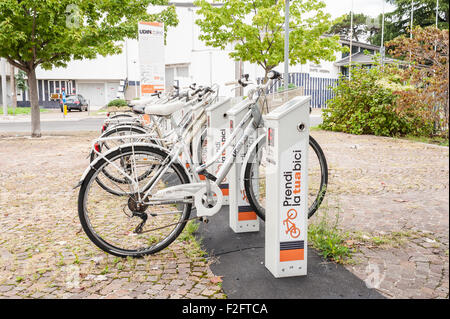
<point x="45" y="254"/>
<point x="392" y="197"/>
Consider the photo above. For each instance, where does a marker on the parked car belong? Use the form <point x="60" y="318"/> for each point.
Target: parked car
<point x="75" y="102"/>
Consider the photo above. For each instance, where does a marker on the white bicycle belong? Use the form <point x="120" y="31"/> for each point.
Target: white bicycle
<point x="150" y="207"/>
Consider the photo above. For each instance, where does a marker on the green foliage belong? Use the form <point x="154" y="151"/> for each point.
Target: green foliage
<point x="21" y="81"/>
<point x="363" y="25"/>
<point x="326" y="237"/>
<point x="290" y="86"/>
<point x="189" y="231"/>
<point x="51" y="33"/>
<point x="398" y="21"/>
<point x="118" y="102"/>
<point x="255" y="30"/>
<point x="22" y="110"/>
<point x="365" y="105"/>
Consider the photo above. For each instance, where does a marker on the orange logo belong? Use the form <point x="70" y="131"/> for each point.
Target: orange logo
<point x="291" y="228"/>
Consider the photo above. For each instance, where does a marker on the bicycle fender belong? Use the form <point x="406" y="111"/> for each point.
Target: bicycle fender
<point x="94" y="162"/>
<point x="260" y="140"/>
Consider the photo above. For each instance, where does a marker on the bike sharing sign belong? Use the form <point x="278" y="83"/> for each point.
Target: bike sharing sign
<point x="151" y="57"/>
<point x="293" y="206"/>
<point x="286" y="188"/>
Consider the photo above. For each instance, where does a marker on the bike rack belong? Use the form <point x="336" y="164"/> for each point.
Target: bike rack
<point x="286" y="225"/>
<point x="217" y="134"/>
<point x="242" y="218"/>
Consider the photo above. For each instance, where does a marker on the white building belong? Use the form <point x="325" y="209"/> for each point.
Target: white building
<point x="187" y="60"/>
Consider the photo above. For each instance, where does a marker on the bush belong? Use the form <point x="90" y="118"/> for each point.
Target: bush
<point x="365" y="106"/>
<point x="290" y="86"/>
<point x="118" y="102"/>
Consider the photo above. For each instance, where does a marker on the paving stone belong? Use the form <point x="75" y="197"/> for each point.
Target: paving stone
<point x="52" y="230"/>
<point x="385" y="186"/>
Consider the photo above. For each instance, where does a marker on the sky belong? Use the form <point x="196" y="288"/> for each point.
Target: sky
<point x="369" y="7"/>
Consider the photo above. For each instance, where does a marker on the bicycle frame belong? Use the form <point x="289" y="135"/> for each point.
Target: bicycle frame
<point x="198" y="189"/>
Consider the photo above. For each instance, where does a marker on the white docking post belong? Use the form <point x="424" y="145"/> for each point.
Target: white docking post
<point x="242" y="217"/>
<point x="217" y="133"/>
<point x="286" y="226"/>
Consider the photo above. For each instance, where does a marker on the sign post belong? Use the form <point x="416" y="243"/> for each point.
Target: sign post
<point x="151" y="57"/>
<point x="287" y="142"/>
<point x="64" y="102"/>
<point x="242" y="217"/>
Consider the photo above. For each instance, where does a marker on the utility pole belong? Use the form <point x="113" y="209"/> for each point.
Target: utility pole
<point x="412" y="19"/>
<point x="437" y="12"/>
<point x="351" y="45"/>
<point x="286" y="45"/>
<point x="3" y="75"/>
<point x="411" y="28"/>
<point x="382" y="37"/>
<point x="12" y="81"/>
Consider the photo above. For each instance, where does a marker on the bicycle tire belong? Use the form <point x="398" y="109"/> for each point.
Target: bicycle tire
<point x="252" y="197"/>
<point x="91" y="177"/>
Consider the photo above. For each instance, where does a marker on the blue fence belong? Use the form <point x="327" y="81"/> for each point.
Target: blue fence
<point x="320" y="89"/>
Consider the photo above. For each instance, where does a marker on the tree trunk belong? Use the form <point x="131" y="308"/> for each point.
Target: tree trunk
<point x="13" y="88"/>
<point x="266" y="71"/>
<point x="35" y="112"/>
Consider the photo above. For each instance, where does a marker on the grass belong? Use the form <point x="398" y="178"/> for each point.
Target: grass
<point x="326" y="237"/>
<point x="188" y="231"/>
<point x="437" y="140"/>
<point x="315" y="128"/>
<point x="188" y="236"/>
<point x="23" y="110"/>
<point x="390" y="240"/>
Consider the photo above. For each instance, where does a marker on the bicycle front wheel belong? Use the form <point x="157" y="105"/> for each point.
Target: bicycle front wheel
<point x="255" y="178"/>
<point x="130" y="225"/>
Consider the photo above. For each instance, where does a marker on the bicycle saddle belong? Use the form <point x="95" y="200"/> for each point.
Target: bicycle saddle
<point x="164" y="109"/>
<point x="143" y="101"/>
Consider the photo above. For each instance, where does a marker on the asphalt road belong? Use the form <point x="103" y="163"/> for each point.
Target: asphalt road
<point x="87" y="124"/>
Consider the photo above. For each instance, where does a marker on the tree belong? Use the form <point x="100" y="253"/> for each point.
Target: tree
<point x="50" y="33"/>
<point x="398" y="22"/>
<point x="255" y="30"/>
<point x="427" y="56"/>
<point x="363" y="26"/>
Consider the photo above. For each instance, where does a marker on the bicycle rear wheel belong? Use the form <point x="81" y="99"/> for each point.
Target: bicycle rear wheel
<point x="112" y="222"/>
<point x="255" y="181"/>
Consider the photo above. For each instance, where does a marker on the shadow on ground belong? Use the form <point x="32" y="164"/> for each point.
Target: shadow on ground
<point x="239" y="258"/>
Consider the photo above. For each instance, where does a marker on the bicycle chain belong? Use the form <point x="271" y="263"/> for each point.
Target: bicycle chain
<point x="153" y="229"/>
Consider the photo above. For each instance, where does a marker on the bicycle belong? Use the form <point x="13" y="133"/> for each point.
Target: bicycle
<point x="191" y="124"/>
<point x="164" y="197"/>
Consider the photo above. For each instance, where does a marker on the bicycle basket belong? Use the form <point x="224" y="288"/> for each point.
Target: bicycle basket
<point x="276" y="99"/>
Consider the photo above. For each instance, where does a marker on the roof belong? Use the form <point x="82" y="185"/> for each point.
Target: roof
<point x="360" y="44"/>
<point x="360" y="58"/>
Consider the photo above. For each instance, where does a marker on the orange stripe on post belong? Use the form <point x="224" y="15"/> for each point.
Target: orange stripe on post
<point x="225" y="191"/>
<point x="246" y="216"/>
<point x="292" y="254"/>
<point x="146" y="118"/>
